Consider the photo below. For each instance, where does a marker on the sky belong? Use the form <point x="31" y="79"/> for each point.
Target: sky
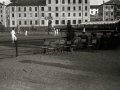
<point x="92" y="2"/>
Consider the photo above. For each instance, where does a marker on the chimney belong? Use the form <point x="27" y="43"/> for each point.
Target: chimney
<point x="103" y="1"/>
<point x="3" y="2"/>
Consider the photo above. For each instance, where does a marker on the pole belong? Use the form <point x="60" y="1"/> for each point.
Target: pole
<point x="16" y="47"/>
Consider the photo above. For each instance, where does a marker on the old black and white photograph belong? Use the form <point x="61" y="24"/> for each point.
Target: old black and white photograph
<point x="59" y="44"/>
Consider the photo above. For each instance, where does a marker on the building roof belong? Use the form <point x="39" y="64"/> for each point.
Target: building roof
<point x="29" y="3"/>
<point x="112" y="2"/>
<point x="94" y="6"/>
<point x="1" y="4"/>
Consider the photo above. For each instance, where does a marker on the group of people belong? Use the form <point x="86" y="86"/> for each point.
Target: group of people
<point x="102" y="43"/>
<point x="55" y="32"/>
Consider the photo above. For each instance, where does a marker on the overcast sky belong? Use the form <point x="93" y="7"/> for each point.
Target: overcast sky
<point x="92" y="2"/>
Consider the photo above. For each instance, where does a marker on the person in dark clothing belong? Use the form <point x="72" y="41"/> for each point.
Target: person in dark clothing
<point x="103" y="41"/>
<point x="84" y="40"/>
<point x="111" y="40"/>
<point x="116" y="40"/>
<point x="94" y="40"/>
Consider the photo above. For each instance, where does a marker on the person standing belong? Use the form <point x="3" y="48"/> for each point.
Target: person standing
<point x="14" y="38"/>
<point x="26" y="33"/>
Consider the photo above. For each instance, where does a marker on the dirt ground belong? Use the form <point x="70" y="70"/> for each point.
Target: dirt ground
<point x="33" y="70"/>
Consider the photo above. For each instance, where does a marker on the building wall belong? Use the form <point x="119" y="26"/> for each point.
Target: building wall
<point x="56" y="11"/>
<point x="3" y="14"/>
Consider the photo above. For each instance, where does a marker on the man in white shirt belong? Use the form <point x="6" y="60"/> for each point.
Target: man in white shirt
<point x="14" y="38"/>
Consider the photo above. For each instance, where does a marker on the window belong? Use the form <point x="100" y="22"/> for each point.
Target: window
<point x="13" y="22"/>
<point x="30" y="14"/>
<point x="25" y="22"/>
<point x="68" y="8"/>
<point x="73" y="8"/>
<point x="30" y="22"/>
<point x="74" y="1"/>
<point x="63" y="8"/>
<point x="42" y="8"/>
<point x="56" y="21"/>
<point x="74" y="14"/>
<point x="111" y="7"/>
<point x="36" y="22"/>
<point x="63" y="21"/>
<point x="68" y="1"/>
<point x="57" y="14"/>
<point x="24" y="14"/>
<point x="35" y="14"/>
<point x="1" y="11"/>
<point x="85" y="14"/>
<point x="69" y="21"/>
<point x="74" y="21"/>
<point x="63" y="1"/>
<point x="49" y="14"/>
<point x="35" y="8"/>
<point x="79" y="14"/>
<point x="19" y="14"/>
<point x="91" y="11"/>
<point x="19" y="9"/>
<point x="12" y="8"/>
<point x="106" y="13"/>
<point x="42" y="14"/>
<point x="49" y="1"/>
<point x="13" y="15"/>
<point x="68" y="14"/>
<point x="85" y="1"/>
<point x="79" y="21"/>
<point x="85" y="7"/>
<point x="106" y="7"/>
<point x="19" y="22"/>
<point x="56" y="8"/>
<point x="79" y="1"/>
<point x="30" y="9"/>
<point x="49" y="8"/>
<point x="86" y="20"/>
<point x="0" y="6"/>
<point x="56" y="1"/>
<point x="63" y="14"/>
<point x="43" y="22"/>
<point x="79" y="7"/>
<point x="111" y="13"/>
<point x="24" y="8"/>
<point x="1" y="16"/>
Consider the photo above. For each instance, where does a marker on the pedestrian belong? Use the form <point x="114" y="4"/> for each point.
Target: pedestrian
<point x="26" y="33"/>
<point x="57" y="32"/>
<point x="14" y="38"/>
<point x="104" y="40"/>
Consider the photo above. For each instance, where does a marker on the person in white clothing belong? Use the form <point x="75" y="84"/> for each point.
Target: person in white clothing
<point x="26" y="33"/>
<point x="14" y="38"/>
<point x="57" y="32"/>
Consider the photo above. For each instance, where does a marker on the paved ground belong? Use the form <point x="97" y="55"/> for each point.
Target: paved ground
<point x="32" y="70"/>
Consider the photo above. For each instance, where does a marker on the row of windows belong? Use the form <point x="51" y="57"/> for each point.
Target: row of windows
<point x="109" y="14"/>
<point x="108" y="7"/>
<point x="25" y="9"/>
<point x="68" y="1"/>
<point x="43" y="22"/>
<point x="49" y="14"/>
<point x="63" y="8"/>
<point x="50" y="8"/>
<point x="63" y="14"/>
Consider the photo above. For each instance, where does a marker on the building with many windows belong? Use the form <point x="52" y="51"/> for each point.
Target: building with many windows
<point x="2" y="14"/>
<point x="109" y="11"/>
<point x="38" y="12"/>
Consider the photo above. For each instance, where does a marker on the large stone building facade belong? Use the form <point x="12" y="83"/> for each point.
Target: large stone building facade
<point x="109" y="11"/>
<point x="39" y="12"/>
<point x="2" y="14"/>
